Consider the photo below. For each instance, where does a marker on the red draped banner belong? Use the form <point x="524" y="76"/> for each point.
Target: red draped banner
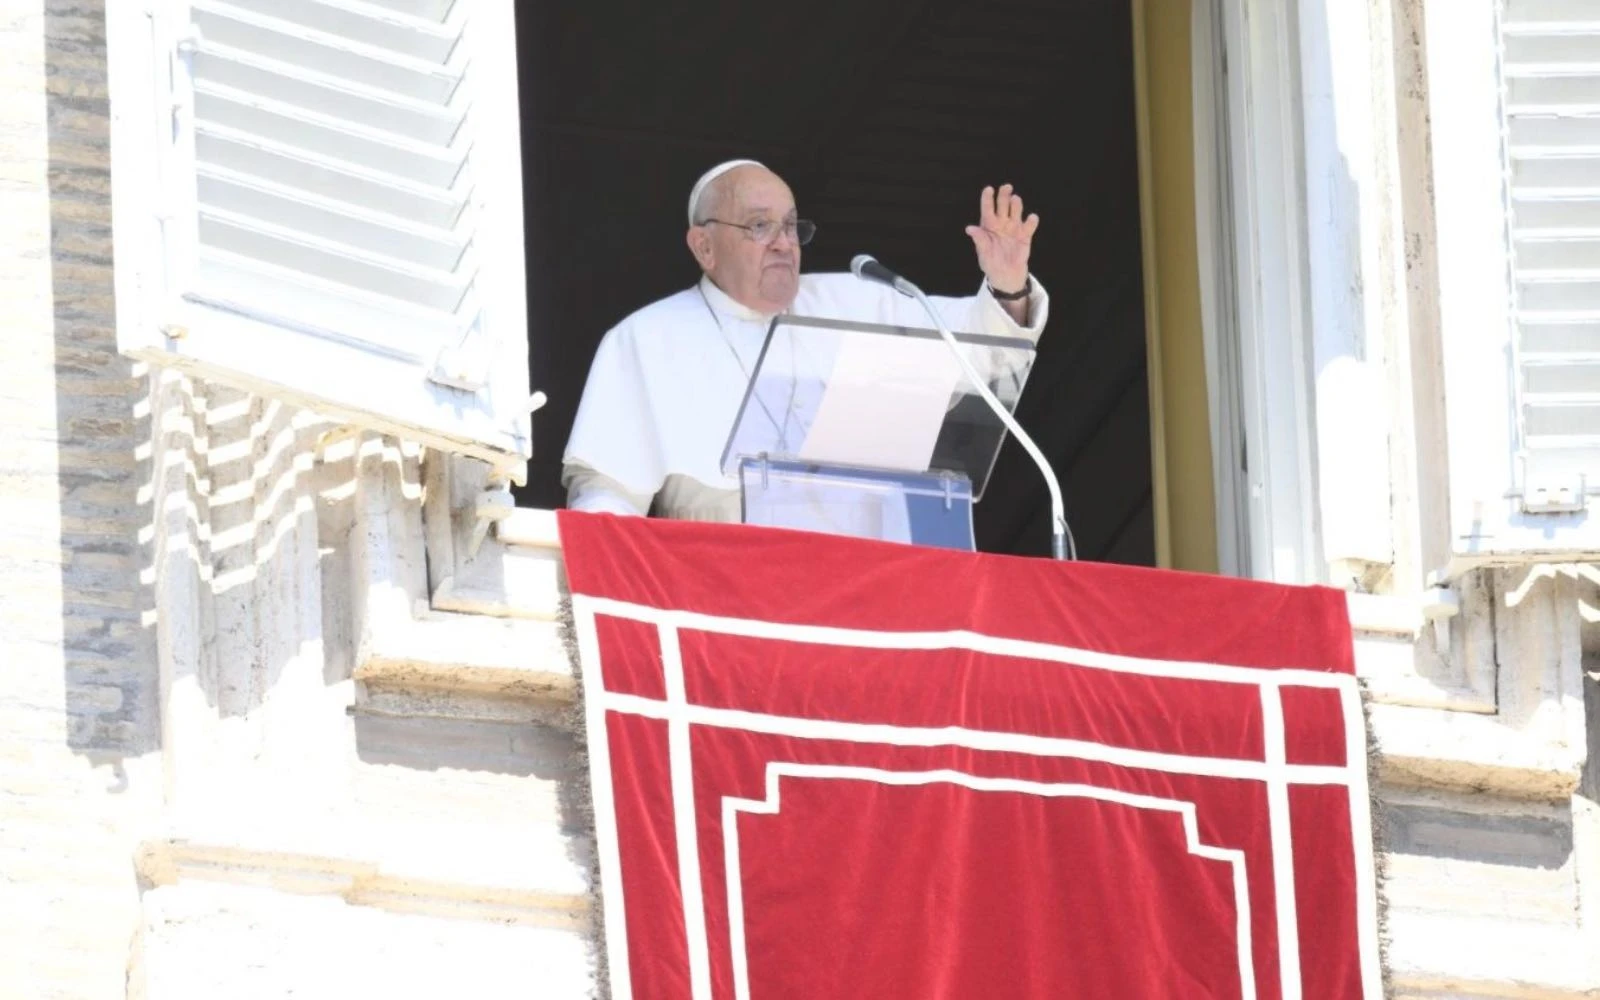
<point x="825" y="767"/>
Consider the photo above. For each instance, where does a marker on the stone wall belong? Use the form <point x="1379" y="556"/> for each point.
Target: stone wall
<point x="198" y="797"/>
<point x="78" y="688"/>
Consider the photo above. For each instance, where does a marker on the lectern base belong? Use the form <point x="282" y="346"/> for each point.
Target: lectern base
<point x="916" y="508"/>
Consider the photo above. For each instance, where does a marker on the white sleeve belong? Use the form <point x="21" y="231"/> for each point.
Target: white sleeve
<point x="983" y="313"/>
<point x="843" y="296"/>
<point x="591" y="491"/>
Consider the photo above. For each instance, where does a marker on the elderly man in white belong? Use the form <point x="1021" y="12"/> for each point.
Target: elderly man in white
<point x="666" y="382"/>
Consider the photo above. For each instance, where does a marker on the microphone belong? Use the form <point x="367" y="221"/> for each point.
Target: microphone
<point x="867" y="268"/>
<point x="1062" y="546"/>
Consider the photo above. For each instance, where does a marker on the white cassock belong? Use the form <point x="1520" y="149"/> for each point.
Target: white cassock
<point x="666" y="385"/>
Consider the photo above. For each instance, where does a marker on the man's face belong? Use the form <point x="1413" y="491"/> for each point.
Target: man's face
<point x="757" y="275"/>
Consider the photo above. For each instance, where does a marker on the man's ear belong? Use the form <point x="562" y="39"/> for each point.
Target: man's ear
<point x="699" y="240"/>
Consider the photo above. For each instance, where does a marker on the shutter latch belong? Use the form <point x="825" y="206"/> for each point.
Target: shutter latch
<point x="465" y="365"/>
<point x="1550" y="484"/>
<point x="1556" y="500"/>
<point x="1554" y="496"/>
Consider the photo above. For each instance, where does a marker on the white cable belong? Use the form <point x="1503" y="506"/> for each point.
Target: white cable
<point x="1062" y="544"/>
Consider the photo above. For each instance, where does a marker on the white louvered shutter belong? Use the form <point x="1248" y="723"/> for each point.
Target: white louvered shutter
<point x="331" y="195"/>
<point x="1551" y="59"/>
<point x="1514" y="92"/>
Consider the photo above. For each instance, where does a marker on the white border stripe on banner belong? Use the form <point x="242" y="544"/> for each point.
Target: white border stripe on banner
<point x="1282" y="843"/>
<point x="740" y="955"/>
<point x="778" y="770"/>
<point x="825" y="635"/>
<point x="977" y="739"/>
<point x="680" y="763"/>
<point x="1353" y="775"/>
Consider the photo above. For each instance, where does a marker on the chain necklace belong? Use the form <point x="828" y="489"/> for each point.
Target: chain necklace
<point x="794" y="381"/>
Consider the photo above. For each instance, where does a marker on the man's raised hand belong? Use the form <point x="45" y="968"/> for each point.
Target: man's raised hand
<point x="1003" y="238"/>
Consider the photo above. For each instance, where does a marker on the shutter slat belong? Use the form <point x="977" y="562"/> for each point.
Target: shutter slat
<point x="236" y="70"/>
<point x="1550" y="377"/>
<point x="348" y="58"/>
<point x="1556" y="423"/>
<point x="346" y="224"/>
<point x="410" y="35"/>
<point x="1551" y="64"/>
<point x="1556" y="134"/>
<point x="1558" y="14"/>
<point x="436" y="166"/>
<point x="1550" y="49"/>
<point x="320" y="176"/>
<point x="1557" y="339"/>
<point x="1552" y="176"/>
<point x="1548" y="94"/>
<point x="1550" y="214"/>
<point x="1538" y="293"/>
<point x="410" y="331"/>
<point x="336" y="262"/>
<point x="432" y="10"/>
<point x="1571" y="254"/>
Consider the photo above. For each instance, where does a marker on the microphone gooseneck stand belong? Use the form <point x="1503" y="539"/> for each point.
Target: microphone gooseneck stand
<point x="1062" y="545"/>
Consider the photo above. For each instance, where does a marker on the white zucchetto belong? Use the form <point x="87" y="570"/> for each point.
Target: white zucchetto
<point x="699" y="189"/>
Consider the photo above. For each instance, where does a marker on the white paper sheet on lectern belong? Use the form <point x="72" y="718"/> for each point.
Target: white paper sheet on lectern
<point x="887" y="398"/>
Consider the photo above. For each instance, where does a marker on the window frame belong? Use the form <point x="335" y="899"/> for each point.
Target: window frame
<point x="1257" y="275"/>
<point x="154" y="214"/>
<point x="1419" y="649"/>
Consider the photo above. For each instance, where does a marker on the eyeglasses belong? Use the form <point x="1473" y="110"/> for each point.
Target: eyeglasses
<point x="765" y="230"/>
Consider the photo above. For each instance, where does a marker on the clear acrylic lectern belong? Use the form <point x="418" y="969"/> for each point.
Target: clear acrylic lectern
<point x="872" y="431"/>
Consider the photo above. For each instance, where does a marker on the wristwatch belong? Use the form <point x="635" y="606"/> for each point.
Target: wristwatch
<point x="1027" y="289"/>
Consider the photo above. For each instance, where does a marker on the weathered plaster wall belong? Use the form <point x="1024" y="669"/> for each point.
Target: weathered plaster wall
<point x="340" y="809"/>
<point x="1489" y="818"/>
<point x="78" y="693"/>
<point x="197" y="797"/>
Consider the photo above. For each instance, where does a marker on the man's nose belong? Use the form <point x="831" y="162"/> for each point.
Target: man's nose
<point x="785" y="239"/>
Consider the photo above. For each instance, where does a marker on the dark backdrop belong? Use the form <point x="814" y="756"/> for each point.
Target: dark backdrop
<point x="886" y="117"/>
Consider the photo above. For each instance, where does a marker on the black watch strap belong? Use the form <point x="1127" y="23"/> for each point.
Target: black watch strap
<point x="1027" y="289"/>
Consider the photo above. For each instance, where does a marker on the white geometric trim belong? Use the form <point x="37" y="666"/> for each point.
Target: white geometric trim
<point x="827" y="635"/>
<point x="1242" y="769"/>
<point x="687" y="833"/>
<point x="1282" y="843"/>
<point x="776" y="771"/>
<point x="1274" y="770"/>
